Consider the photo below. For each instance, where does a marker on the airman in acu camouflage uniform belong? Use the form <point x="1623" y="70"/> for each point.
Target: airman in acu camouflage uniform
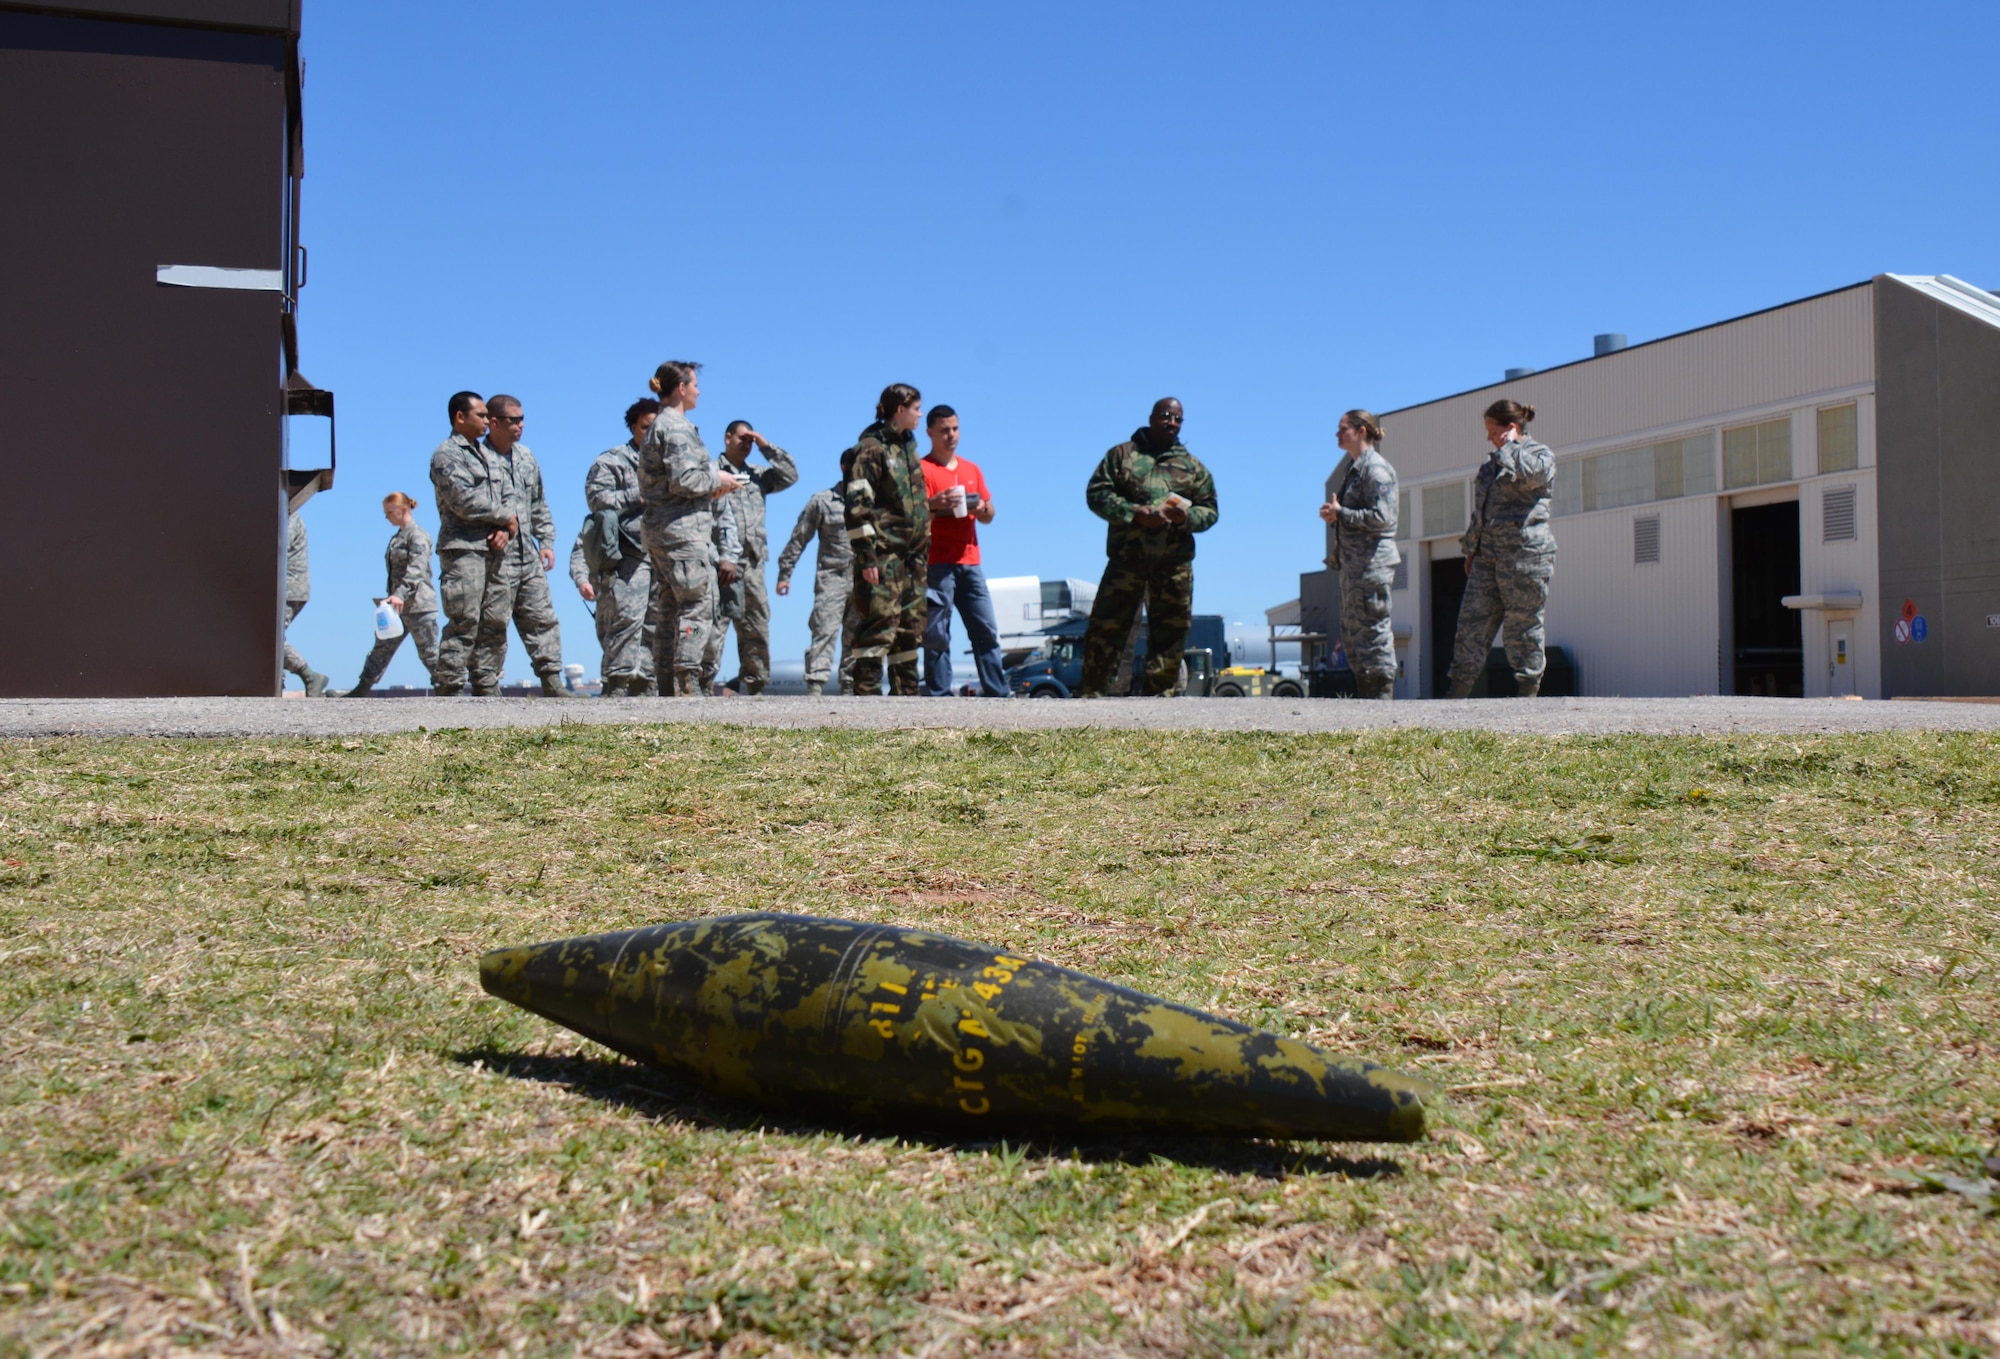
<point x="889" y="525"/>
<point x="624" y="593"/>
<point x="1510" y="555"/>
<point x="408" y="560"/>
<point x="749" y="604"/>
<point x="1362" y="517"/>
<point x="824" y="518"/>
<point x="728" y="540"/>
<point x="298" y="591"/>
<point x="1157" y="496"/>
<point x="517" y="586"/>
<point x="679" y="484"/>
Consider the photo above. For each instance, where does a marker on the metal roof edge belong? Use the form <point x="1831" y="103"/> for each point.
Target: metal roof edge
<point x="1955" y="293"/>
<point x="1643" y="344"/>
<point x="238" y="16"/>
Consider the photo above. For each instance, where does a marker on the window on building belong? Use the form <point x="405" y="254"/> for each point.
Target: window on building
<point x="1635" y="476"/>
<point x="1403" y="524"/>
<point x="1444" y="509"/>
<point x="1401" y="580"/>
<point x="1645" y="539"/>
<point x="1757" y="455"/>
<point x="1836" y="514"/>
<point x="1839" y="442"/>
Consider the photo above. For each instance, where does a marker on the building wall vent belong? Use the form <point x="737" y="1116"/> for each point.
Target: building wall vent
<point x="1401" y="580"/>
<point x="1609" y="343"/>
<point x="1516" y="374"/>
<point x="1645" y="539"/>
<point x="1837" y="515"/>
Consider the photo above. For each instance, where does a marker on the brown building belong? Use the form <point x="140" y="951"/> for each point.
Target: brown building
<point x="151" y="151"/>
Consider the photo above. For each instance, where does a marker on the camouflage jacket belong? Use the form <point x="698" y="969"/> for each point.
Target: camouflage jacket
<point x="1364" y="533"/>
<point x="525" y="498"/>
<point x="409" y="563"/>
<point x="728" y="535"/>
<point x="888" y="514"/>
<point x="579" y="565"/>
<point x="612" y="483"/>
<point x="824" y="517"/>
<point x="1132" y="477"/>
<point x="298" y="572"/>
<point x="748" y="499"/>
<point x="1510" y="502"/>
<point x="677" y="481"/>
<point x="479" y="490"/>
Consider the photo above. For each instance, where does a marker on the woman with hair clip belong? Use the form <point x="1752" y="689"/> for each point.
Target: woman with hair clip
<point x="1510" y="555"/>
<point x="1362" y="516"/>
<point x="411" y="594"/>
<point x="889" y="524"/>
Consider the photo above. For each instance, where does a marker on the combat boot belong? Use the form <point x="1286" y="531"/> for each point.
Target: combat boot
<point x="553" y="687"/>
<point x="815" y="688"/>
<point x="1460" y="689"/>
<point x="315" y="684"/>
<point x="1528" y="687"/>
<point x="447" y="690"/>
<point x="641" y="686"/>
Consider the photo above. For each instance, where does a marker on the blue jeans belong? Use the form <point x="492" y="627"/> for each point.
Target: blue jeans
<point x="964" y="586"/>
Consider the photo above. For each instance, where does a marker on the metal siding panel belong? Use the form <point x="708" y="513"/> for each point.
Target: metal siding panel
<point x="1638" y="630"/>
<point x="1791" y="353"/>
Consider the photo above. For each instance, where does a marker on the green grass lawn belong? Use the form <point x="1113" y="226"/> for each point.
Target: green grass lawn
<point x="1714" y="1019"/>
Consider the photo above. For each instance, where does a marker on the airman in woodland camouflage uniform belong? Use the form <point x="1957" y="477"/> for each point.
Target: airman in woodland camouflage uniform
<point x="824" y="518"/>
<point x="889" y="526"/>
<point x="624" y="592"/>
<point x="679" y="484"/>
<point x="411" y="594"/>
<point x="1510" y="555"/>
<point x="1156" y="496"/>
<point x="750" y="606"/>
<point x="1361" y="518"/>
<point x="298" y="591"/>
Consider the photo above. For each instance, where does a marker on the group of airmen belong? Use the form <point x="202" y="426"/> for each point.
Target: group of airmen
<point x="674" y="552"/>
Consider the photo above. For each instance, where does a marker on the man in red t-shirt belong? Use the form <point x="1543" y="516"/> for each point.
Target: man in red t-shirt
<point x="959" y="503"/>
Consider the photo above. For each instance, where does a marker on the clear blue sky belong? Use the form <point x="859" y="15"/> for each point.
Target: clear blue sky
<point x="1049" y="215"/>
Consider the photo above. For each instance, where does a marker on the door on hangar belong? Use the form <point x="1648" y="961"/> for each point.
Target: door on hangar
<point x="1447" y="593"/>
<point x="1770" y="642"/>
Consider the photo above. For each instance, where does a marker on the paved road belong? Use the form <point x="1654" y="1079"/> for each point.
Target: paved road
<point x="196" y="717"/>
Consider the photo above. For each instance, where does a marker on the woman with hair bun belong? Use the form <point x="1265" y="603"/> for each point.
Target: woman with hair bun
<point x="411" y="594"/>
<point x="1510" y="555"/>
<point x="1362" y="516"/>
<point x="681" y="488"/>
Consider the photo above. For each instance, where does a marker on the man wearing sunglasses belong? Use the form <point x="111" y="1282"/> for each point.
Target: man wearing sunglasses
<point x="517" y="585"/>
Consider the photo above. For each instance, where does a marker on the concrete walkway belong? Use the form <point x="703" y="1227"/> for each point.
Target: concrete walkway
<point x="236" y="717"/>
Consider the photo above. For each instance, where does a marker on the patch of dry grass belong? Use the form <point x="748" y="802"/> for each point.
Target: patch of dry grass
<point x="1708" y="1011"/>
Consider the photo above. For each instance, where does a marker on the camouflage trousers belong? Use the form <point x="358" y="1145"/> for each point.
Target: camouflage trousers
<point x="1364" y="620"/>
<point x="294" y="663"/>
<point x="1166" y="588"/>
<point x="481" y="592"/>
<point x="747" y="604"/>
<point x="1508" y="594"/>
<point x="687" y="594"/>
<point x="625" y="618"/>
<point x="421" y="628"/>
<point x="889" y="627"/>
<point x="829" y="616"/>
